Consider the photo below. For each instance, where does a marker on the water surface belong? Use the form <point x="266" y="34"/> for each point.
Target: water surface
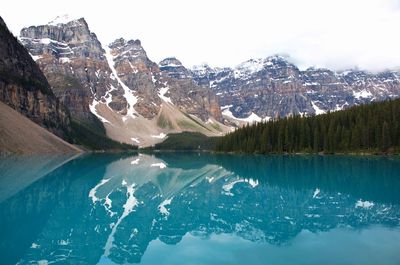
<point x="191" y="208"/>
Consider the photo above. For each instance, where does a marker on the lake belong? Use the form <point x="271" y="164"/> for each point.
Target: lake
<point x="196" y="208"/>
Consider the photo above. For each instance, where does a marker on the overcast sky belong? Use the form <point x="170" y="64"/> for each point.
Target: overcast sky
<point x="337" y="34"/>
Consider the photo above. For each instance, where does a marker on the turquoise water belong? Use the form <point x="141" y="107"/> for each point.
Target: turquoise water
<point x="188" y="208"/>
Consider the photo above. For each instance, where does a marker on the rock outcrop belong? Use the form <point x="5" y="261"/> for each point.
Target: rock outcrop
<point x="169" y="81"/>
<point x="191" y="97"/>
<point x="138" y="73"/>
<point x="24" y="88"/>
<point x="274" y="87"/>
<point x="75" y="65"/>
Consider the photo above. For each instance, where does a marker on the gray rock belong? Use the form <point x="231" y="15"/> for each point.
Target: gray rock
<point x="274" y="87"/>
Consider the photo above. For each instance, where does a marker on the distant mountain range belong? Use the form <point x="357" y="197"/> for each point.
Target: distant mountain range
<point x="117" y="89"/>
<point x="274" y="87"/>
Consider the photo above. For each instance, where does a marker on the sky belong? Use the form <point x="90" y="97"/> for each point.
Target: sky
<point x="338" y="34"/>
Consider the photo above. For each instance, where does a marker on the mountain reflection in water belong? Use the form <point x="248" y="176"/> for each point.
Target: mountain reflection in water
<point x="114" y="208"/>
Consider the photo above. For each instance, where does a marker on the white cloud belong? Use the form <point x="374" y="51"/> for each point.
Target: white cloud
<point x="336" y="34"/>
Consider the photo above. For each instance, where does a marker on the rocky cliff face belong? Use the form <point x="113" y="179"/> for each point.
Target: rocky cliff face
<point x="274" y="87"/>
<point x="74" y="63"/>
<point x="136" y="100"/>
<point x="24" y="87"/>
<point x="193" y="98"/>
<point x="138" y="73"/>
<point x="153" y="84"/>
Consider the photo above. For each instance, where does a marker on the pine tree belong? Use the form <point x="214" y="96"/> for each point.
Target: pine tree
<point x="362" y="128"/>
<point x="386" y="141"/>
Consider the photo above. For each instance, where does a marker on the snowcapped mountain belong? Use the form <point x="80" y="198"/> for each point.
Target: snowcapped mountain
<point x="273" y="87"/>
<point x="74" y="63"/>
<point x="137" y="100"/>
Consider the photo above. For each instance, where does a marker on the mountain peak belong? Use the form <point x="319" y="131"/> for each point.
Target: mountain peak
<point x="65" y="19"/>
<point x="120" y="42"/>
<point x="170" y="62"/>
<point x="279" y="56"/>
<point x="174" y="68"/>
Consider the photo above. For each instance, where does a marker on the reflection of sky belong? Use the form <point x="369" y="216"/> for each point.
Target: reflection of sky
<point x="375" y="245"/>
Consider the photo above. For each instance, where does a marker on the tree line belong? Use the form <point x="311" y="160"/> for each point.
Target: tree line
<point x="366" y="128"/>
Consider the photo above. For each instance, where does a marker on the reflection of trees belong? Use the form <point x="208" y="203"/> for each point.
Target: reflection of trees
<point x="363" y="177"/>
<point x="65" y="222"/>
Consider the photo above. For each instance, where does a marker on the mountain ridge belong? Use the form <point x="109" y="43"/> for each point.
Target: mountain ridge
<point x="119" y="85"/>
<point x="138" y="100"/>
<point x="293" y="91"/>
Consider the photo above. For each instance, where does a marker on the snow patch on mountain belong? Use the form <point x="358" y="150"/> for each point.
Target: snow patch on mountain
<point x="93" y="110"/>
<point x="62" y="19"/>
<point x="362" y="94"/>
<point x="64" y="60"/>
<point x="136" y="140"/>
<point x="250" y="119"/>
<point x="249" y="67"/>
<point x="317" y="109"/>
<point x="35" y="57"/>
<point x="60" y="48"/>
<point x="226" y="107"/>
<point x="128" y="93"/>
<point x="160" y="136"/>
<point x="108" y="95"/>
<point x="162" y="93"/>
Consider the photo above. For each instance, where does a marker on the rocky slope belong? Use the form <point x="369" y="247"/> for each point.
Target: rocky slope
<point x="274" y="87"/>
<point x="137" y="102"/>
<point x="24" y="88"/>
<point x="20" y="135"/>
<point x="158" y="103"/>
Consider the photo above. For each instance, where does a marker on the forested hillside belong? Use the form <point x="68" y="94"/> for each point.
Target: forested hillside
<point x="365" y="128"/>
